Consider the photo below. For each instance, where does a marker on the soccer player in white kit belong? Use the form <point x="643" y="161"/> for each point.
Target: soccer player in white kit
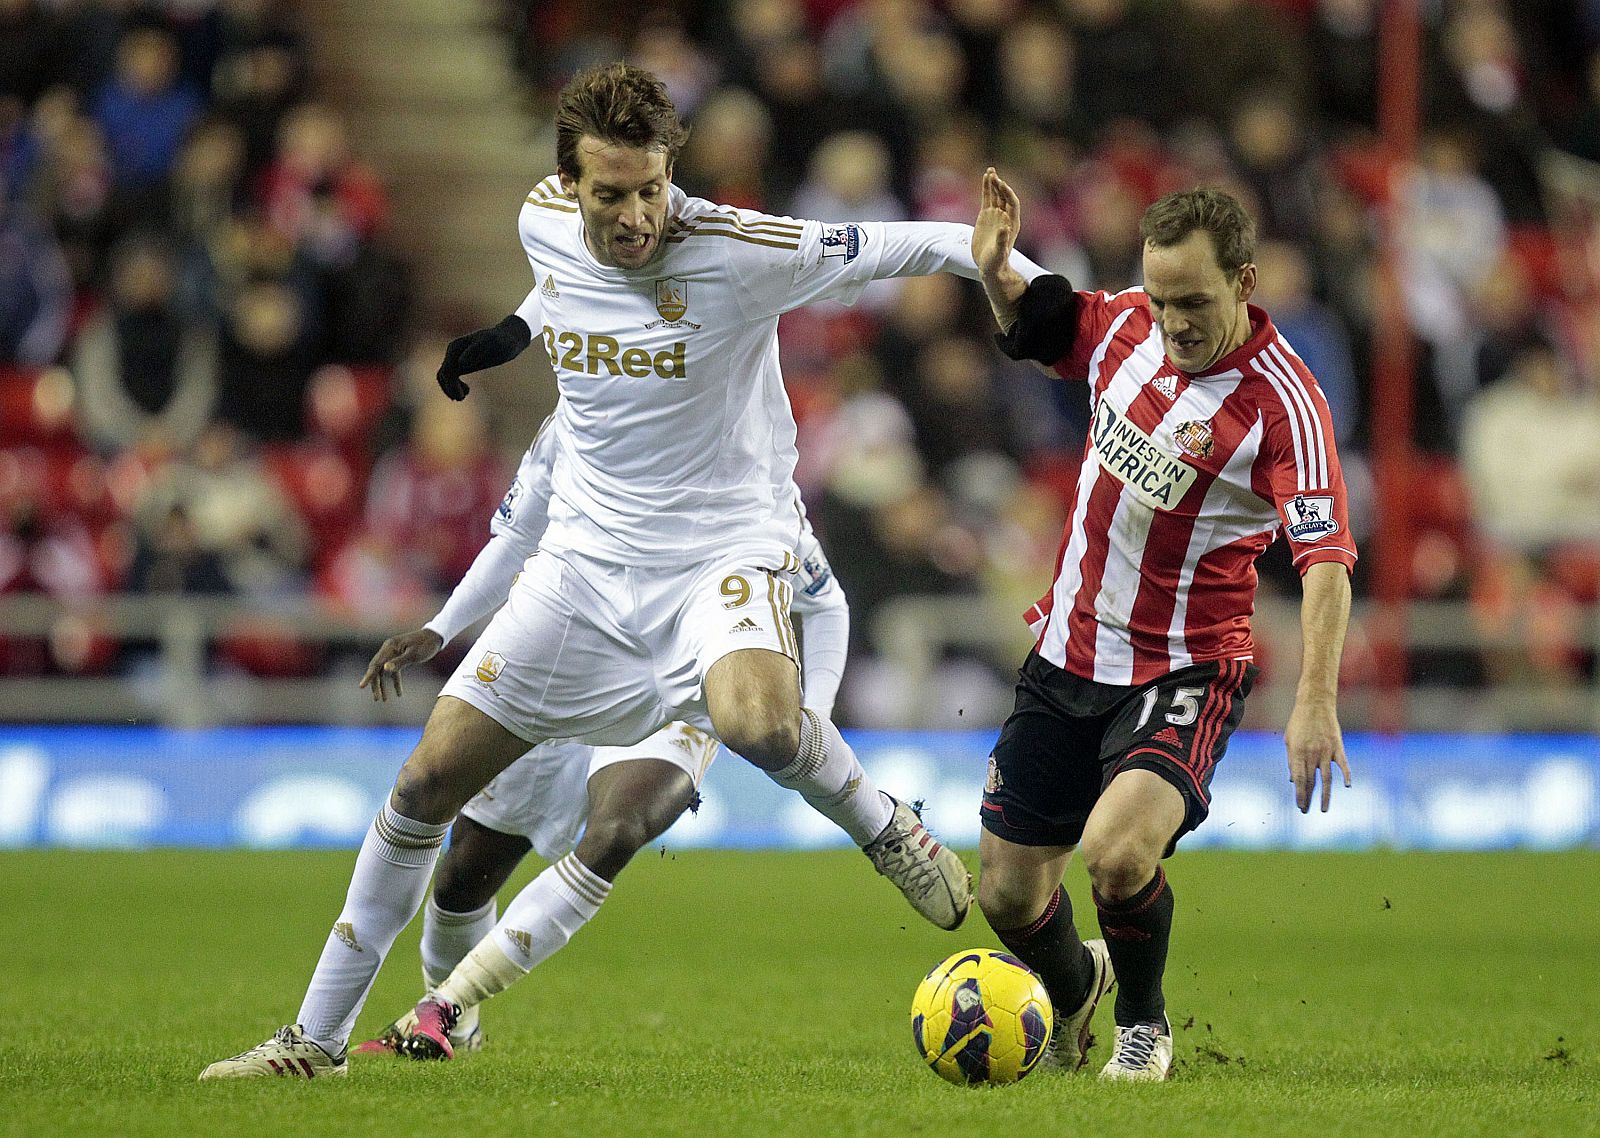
<point x="661" y="588"/>
<point x="621" y="798"/>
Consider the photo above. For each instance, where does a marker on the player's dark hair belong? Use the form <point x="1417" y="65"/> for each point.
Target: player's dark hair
<point x="1233" y="234"/>
<point x="616" y="103"/>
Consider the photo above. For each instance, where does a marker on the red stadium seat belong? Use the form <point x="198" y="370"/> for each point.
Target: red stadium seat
<point x="1535" y="247"/>
<point x="265" y="648"/>
<point x="35" y="405"/>
<point x="345" y="404"/>
<point x="60" y="476"/>
<point x="326" y="488"/>
<point x="1444" y="547"/>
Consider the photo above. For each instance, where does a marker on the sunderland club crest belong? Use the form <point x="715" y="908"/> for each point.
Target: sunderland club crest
<point x="1194" y="438"/>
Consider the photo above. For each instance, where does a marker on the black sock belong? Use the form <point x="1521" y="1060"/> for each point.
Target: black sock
<point x="1137" y="931"/>
<point x="1050" y="946"/>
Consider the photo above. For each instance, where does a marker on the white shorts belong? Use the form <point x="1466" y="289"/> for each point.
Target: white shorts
<point x="594" y="651"/>
<point x="544" y="796"/>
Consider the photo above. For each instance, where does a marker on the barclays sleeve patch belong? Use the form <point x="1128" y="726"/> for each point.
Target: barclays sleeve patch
<point x="817" y="574"/>
<point x="842" y="241"/>
<point x="1310" y="517"/>
<point x="509" y="502"/>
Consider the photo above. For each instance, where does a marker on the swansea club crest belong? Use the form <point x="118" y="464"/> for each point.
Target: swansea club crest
<point x="672" y="303"/>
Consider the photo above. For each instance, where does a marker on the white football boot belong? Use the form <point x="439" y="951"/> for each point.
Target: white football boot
<point x="922" y="867"/>
<point x="1143" y="1054"/>
<point x="288" y="1054"/>
<point x="1069" y="1042"/>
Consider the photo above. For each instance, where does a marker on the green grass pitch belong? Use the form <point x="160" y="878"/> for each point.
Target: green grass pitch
<point x="767" y="995"/>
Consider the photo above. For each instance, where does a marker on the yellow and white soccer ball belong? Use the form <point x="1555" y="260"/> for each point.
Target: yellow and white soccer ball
<point x="981" y="1016"/>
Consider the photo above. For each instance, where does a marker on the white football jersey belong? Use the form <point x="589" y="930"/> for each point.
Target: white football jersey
<point x="523" y="516"/>
<point x="673" y="438"/>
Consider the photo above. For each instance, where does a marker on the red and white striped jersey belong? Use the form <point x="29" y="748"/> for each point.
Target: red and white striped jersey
<point x="1185" y="480"/>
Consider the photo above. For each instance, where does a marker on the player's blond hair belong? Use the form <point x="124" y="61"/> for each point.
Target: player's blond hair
<point x="1233" y="234"/>
<point x="616" y="103"/>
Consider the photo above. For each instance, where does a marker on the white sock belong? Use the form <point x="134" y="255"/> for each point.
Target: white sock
<point x="539" y="920"/>
<point x="828" y="775"/>
<point x="447" y="938"/>
<point x="386" y="889"/>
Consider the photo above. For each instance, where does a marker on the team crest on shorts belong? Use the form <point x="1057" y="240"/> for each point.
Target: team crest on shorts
<point x="993" y="782"/>
<point x="1194" y="438"/>
<point x="490" y="667"/>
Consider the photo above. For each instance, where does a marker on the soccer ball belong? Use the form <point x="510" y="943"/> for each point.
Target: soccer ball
<point x="981" y="1017"/>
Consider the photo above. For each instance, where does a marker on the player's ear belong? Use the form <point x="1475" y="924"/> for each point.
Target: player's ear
<point x="569" y="182"/>
<point x="1246" y="286"/>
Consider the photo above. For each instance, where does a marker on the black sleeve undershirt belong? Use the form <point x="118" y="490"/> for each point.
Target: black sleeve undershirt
<point x="1047" y="322"/>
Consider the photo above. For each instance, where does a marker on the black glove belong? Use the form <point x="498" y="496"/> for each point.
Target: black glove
<point x="489" y="347"/>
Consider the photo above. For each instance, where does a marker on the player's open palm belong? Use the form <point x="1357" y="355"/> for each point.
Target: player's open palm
<point x="396" y="653"/>
<point x="1315" y="746"/>
<point x="999" y="222"/>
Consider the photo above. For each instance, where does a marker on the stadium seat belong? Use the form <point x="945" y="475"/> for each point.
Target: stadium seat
<point x="345" y="404"/>
<point x="1536" y="248"/>
<point x="262" y="647"/>
<point x="325" y="486"/>
<point x="1445" y="544"/>
<point x="35" y="405"/>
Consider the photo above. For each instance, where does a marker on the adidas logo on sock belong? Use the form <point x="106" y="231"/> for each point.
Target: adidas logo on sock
<point x="1169" y="736"/>
<point x="549" y="287"/>
<point x="746" y="625"/>
<point x="346" y="932"/>
<point x="522" y="939"/>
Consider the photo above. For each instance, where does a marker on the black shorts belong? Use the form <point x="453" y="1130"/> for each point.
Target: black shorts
<point x="1068" y="737"/>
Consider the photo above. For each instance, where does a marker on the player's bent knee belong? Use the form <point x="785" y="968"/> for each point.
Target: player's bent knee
<point x="427" y="792"/>
<point x="608" y="844"/>
<point x="1119" y="866"/>
<point x="765" y="737"/>
<point x="1008" y="903"/>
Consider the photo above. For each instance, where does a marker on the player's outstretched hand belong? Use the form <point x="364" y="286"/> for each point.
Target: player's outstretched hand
<point x="395" y="653"/>
<point x="999" y="221"/>
<point x="1315" y="745"/>
<point x="485" y="348"/>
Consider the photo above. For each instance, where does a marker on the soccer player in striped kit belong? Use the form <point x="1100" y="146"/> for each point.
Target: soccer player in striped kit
<point x="1209" y="436"/>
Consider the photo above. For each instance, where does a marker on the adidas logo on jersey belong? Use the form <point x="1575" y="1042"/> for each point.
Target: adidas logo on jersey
<point x="549" y="287"/>
<point x="746" y="625"/>
<point x="1166" y="384"/>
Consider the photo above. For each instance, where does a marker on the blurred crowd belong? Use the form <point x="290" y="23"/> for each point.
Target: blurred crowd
<point x="212" y="389"/>
<point x="204" y="380"/>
